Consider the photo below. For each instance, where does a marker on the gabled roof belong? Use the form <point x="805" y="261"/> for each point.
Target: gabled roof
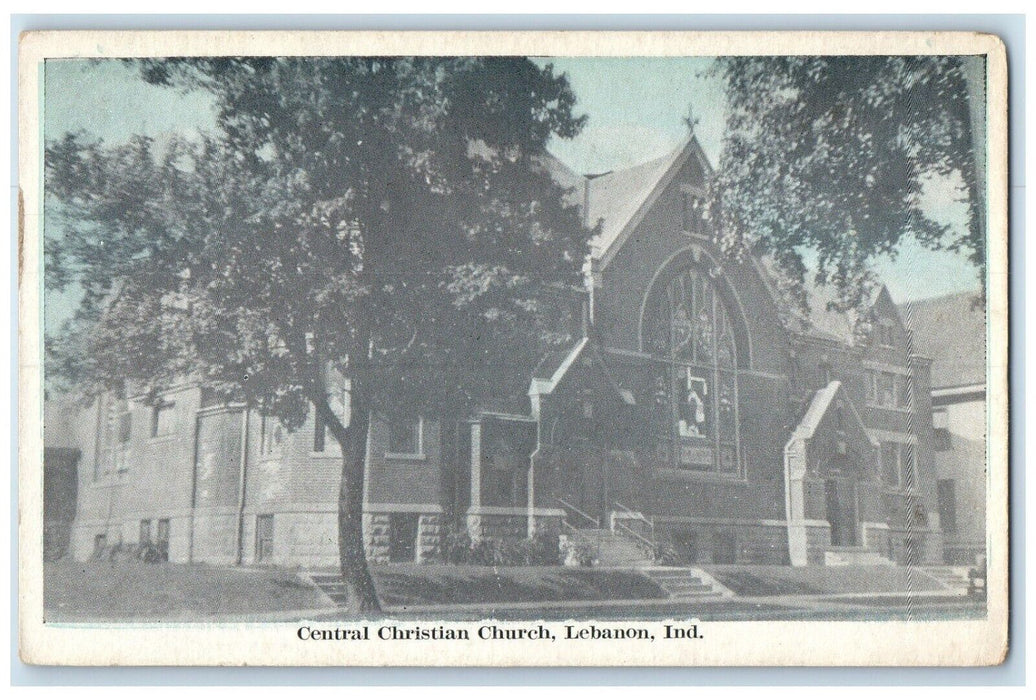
<point x="555" y="365"/>
<point x="821" y="321"/>
<point x="951" y="330"/>
<point x="615" y="198"/>
<point x="552" y="368"/>
<point x="618" y="198"/>
<point x="818" y="408"/>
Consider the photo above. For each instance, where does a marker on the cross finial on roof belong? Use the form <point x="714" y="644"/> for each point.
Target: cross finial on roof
<point x="690" y="120"/>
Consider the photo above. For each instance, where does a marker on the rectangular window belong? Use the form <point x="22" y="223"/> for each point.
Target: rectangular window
<point x="887" y="389"/>
<point x="272" y="435"/>
<point x="145" y="532"/>
<point x="405" y="436"/>
<point x="163" y="419"/>
<point x="908" y="465"/>
<point x="693" y="213"/>
<point x="942" y="439"/>
<point x="904" y="394"/>
<point x="890" y="462"/>
<point x="263" y="538"/>
<point x="125" y="425"/>
<point x="339" y="401"/>
<point x="162" y="539"/>
<point x="114" y="432"/>
<point x="899" y="464"/>
<point x="948" y="505"/>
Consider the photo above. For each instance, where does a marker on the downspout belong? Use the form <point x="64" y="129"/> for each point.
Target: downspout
<point x="241" y="481"/>
<point x="531" y="489"/>
<point x="194" y="490"/>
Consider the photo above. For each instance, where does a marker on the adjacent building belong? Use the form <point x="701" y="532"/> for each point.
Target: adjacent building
<point x="697" y="409"/>
<point x="951" y="330"/>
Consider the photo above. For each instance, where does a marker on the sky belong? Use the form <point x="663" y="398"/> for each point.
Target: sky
<point x="637" y="108"/>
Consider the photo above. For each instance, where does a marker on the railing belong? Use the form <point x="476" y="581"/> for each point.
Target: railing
<point x="647" y="542"/>
<point x="586" y="516"/>
<point x="647" y="545"/>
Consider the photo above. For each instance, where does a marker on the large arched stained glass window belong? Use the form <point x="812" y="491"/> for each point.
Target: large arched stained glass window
<point x="689" y="333"/>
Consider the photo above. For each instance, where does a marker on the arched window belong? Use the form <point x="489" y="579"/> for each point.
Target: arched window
<point x="689" y="333"/>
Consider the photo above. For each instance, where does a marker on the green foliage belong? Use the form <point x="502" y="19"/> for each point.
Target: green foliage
<point x="666" y="555"/>
<point x="388" y="218"/>
<point x="580" y="552"/>
<point x="832" y="154"/>
<point x="540" y="550"/>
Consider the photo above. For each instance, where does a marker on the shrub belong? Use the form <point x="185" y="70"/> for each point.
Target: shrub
<point x="149" y="553"/>
<point x="541" y="550"/>
<point x="665" y="555"/>
<point x="578" y="553"/>
<point x="545" y="549"/>
<point x="458" y="547"/>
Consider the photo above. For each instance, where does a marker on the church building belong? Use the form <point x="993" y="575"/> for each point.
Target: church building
<point x="698" y="411"/>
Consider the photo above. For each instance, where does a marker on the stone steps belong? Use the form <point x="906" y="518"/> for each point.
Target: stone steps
<point x="612" y="550"/>
<point x="955" y="578"/>
<point x="854" y="556"/>
<point x="685" y="583"/>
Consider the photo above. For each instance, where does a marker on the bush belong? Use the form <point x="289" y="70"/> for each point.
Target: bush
<point x="579" y="553"/>
<point x="458" y="547"/>
<point x="665" y="555"/>
<point x="541" y="550"/>
<point x="149" y="553"/>
<point x="545" y="550"/>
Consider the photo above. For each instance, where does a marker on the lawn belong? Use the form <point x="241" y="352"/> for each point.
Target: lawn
<point x="133" y="590"/>
<point x="140" y="592"/>
<point x="433" y="584"/>
<point x="762" y="580"/>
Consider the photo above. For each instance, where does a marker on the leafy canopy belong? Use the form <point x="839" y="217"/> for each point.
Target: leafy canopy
<point x="833" y="154"/>
<point x="388" y="217"/>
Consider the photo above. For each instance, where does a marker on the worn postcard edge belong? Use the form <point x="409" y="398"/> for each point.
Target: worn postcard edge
<point x="945" y="643"/>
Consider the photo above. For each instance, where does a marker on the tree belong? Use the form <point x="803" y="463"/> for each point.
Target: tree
<point x="833" y="154"/>
<point x="389" y="220"/>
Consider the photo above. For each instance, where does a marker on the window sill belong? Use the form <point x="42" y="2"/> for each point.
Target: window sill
<point x="901" y="491"/>
<point x="897" y="409"/>
<point x="405" y="457"/>
<point x="692" y="475"/>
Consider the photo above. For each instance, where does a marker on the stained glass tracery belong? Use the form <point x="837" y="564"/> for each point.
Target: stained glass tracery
<point x="694" y="388"/>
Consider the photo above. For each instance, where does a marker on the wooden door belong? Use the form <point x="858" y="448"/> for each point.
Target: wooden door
<point x="840" y="496"/>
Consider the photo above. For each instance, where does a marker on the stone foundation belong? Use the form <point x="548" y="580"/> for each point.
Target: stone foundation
<point x="725" y="543"/>
<point x="913" y="547"/>
<point x="429" y="539"/>
<point x="508" y="523"/>
<point x="818" y="541"/>
<point x="376" y="535"/>
<point x="215" y="537"/>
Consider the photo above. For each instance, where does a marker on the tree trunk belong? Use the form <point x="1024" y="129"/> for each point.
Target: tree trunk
<point x="359" y="587"/>
<point x="361" y="596"/>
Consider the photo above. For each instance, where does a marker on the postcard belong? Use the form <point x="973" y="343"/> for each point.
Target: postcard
<point x="513" y="348"/>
